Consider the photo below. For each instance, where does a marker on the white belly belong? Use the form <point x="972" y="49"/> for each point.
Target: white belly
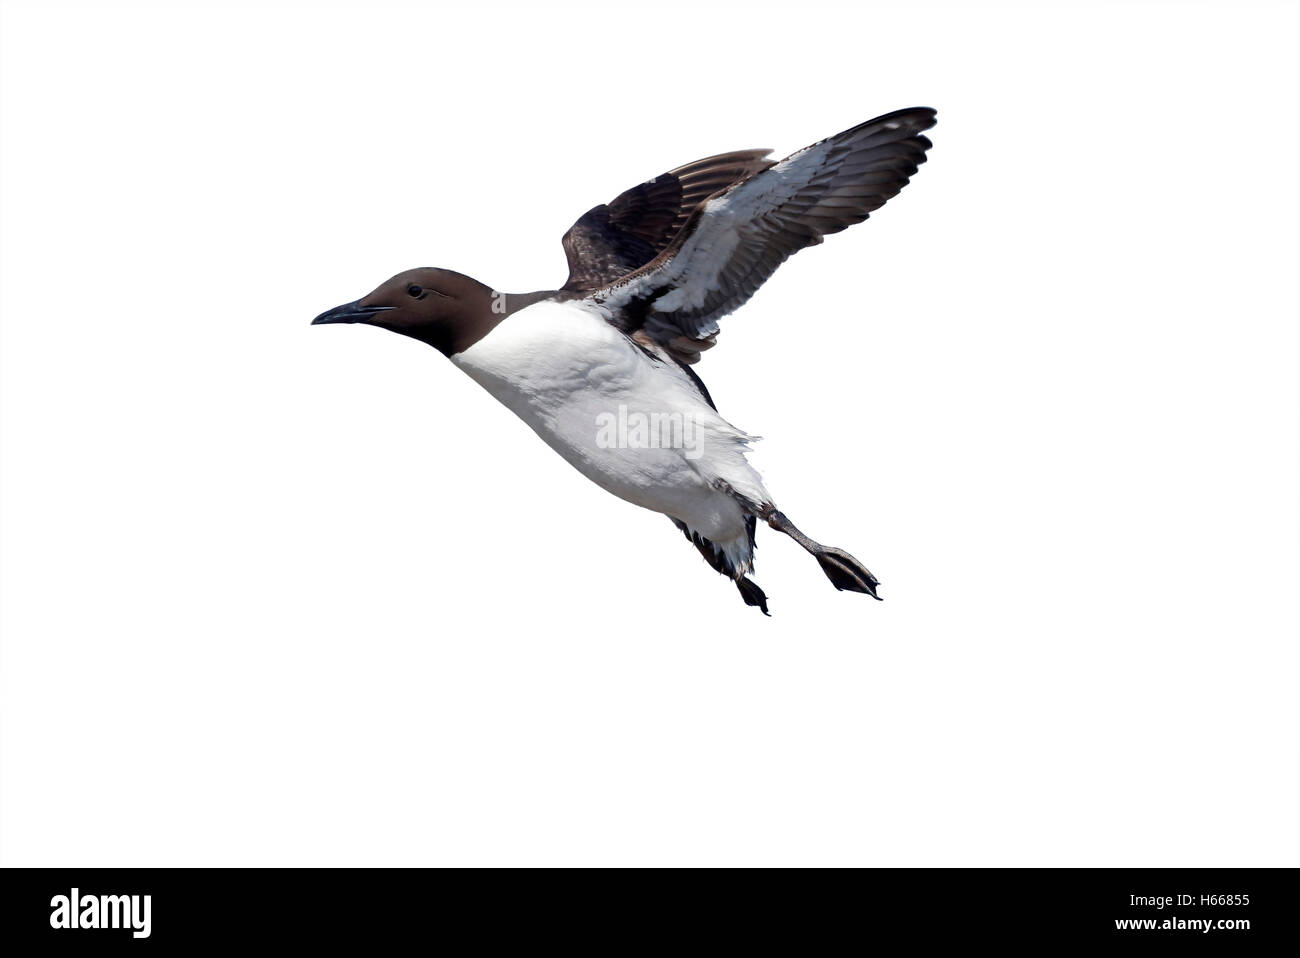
<point x="634" y="426"/>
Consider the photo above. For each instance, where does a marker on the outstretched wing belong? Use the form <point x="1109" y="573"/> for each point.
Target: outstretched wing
<point x="613" y="239"/>
<point x="736" y="239"/>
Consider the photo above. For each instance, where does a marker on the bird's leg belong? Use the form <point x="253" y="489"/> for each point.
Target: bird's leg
<point x="749" y="590"/>
<point x="844" y="571"/>
<point x="751" y="593"/>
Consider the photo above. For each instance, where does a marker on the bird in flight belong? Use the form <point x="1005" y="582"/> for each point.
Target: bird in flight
<point x="601" y="367"/>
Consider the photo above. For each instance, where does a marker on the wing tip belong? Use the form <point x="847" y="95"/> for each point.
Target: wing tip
<point x="919" y="118"/>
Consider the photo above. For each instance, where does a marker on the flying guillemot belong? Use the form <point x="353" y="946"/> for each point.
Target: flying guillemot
<point x="650" y="275"/>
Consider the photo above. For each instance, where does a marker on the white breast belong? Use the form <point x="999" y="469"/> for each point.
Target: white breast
<point x="570" y="375"/>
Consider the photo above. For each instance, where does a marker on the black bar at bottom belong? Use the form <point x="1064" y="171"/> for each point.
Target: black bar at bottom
<point x="806" y="909"/>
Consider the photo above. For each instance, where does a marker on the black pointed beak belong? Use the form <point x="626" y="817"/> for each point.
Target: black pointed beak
<point x="352" y="312"/>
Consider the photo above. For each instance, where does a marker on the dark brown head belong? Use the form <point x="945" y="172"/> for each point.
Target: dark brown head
<point x="445" y="309"/>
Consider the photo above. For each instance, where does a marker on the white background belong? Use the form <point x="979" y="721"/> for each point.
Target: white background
<point x="276" y="594"/>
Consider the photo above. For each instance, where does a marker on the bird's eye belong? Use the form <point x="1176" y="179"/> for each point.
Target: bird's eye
<point x="414" y="290"/>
